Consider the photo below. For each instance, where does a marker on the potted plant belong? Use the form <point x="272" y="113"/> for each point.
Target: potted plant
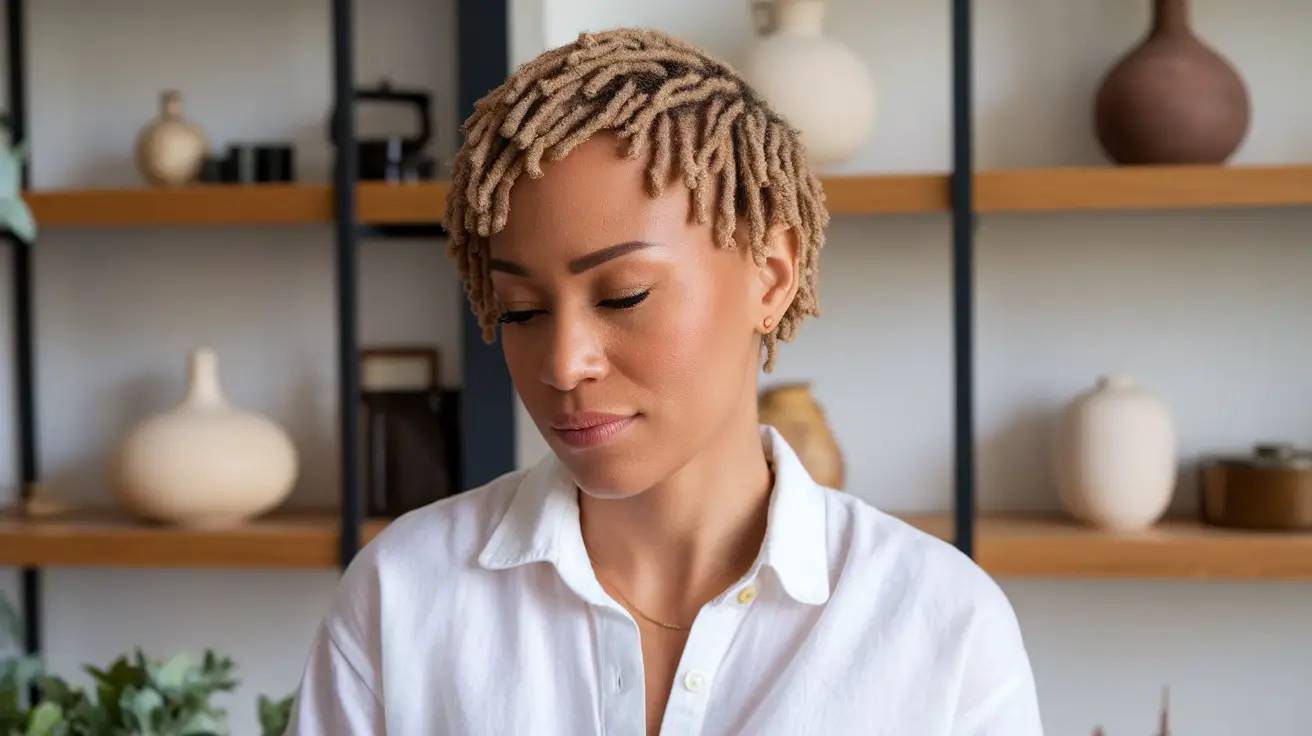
<point x="135" y="695"/>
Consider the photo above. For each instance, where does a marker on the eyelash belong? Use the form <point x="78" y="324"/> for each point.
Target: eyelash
<point x="627" y="302"/>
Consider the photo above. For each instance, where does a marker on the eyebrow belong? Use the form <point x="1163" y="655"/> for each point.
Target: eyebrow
<point x="583" y="263"/>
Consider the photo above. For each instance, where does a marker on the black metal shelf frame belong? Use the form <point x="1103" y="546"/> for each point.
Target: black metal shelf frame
<point x="25" y="367"/>
<point x="487" y="417"/>
<point x="345" y="175"/>
<point x="963" y="276"/>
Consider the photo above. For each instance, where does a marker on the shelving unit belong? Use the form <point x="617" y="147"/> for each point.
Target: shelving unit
<point x="1005" y="546"/>
<point x="308" y="539"/>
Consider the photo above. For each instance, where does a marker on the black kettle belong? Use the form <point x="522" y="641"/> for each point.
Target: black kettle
<point x="395" y="157"/>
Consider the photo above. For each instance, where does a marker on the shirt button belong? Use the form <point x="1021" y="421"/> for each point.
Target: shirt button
<point x="747" y="595"/>
<point x="694" y="681"/>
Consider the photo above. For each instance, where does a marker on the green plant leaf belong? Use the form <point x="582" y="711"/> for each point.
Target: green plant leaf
<point x="112" y="683"/>
<point x="56" y="690"/>
<point x="11" y="705"/>
<point x="275" y="716"/>
<point x="45" y="718"/>
<point x="203" y="724"/>
<point x="215" y="673"/>
<point x="22" y="671"/>
<point x="143" y="710"/>
<point x="120" y="675"/>
<point x="172" y="676"/>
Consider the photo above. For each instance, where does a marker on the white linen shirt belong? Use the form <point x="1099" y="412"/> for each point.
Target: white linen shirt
<point x="479" y="615"/>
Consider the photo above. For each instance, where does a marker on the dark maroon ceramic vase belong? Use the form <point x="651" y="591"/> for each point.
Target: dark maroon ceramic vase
<point x="1172" y="99"/>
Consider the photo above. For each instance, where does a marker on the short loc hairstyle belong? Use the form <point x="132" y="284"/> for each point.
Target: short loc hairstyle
<point x="667" y="101"/>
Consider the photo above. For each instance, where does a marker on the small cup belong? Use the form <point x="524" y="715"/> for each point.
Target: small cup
<point x="274" y="163"/>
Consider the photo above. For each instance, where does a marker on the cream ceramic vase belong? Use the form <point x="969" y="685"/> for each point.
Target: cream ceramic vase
<point x="205" y="463"/>
<point x="793" y="411"/>
<point x="817" y="83"/>
<point x="170" y="149"/>
<point x="1115" y="456"/>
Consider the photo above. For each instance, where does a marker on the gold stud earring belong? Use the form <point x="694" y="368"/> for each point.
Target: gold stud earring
<point x="769" y="322"/>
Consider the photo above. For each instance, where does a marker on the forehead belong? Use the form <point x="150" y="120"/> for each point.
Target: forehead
<point x="592" y="198"/>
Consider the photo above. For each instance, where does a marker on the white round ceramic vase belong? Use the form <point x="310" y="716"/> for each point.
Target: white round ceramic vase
<point x="205" y="463"/>
<point x="1115" y="456"/>
<point x="819" y="85"/>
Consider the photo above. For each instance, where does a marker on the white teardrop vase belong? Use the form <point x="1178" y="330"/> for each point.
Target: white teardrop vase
<point x="1115" y="456"/>
<point x="205" y="463"/>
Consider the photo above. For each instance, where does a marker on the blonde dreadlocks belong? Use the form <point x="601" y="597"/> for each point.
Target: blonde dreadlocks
<point x="670" y="101"/>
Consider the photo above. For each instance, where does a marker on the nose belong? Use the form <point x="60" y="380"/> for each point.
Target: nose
<point x="574" y="354"/>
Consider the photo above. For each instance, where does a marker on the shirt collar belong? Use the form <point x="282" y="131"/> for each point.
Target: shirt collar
<point x="542" y="525"/>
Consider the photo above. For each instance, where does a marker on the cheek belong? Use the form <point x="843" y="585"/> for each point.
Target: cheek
<point x="695" y="331"/>
<point x="521" y="361"/>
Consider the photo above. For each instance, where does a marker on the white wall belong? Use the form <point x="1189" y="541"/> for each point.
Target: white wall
<point x="1208" y="309"/>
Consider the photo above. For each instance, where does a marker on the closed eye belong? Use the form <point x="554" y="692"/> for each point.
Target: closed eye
<point x="626" y="302"/>
<point x="517" y="316"/>
<point x="520" y="316"/>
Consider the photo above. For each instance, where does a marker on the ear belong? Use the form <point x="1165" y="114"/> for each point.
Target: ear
<point x="778" y="277"/>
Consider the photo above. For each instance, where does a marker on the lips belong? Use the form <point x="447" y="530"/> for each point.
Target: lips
<point x="589" y="429"/>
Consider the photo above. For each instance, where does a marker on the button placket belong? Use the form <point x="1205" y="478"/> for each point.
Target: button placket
<point x="620" y="649"/>
<point x="708" y="642"/>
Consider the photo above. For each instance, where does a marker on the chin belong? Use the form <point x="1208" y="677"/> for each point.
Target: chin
<point x="616" y="470"/>
<point x="611" y="478"/>
<point x="619" y="467"/>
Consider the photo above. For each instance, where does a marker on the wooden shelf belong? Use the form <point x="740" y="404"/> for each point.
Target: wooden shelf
<point x="1142" y="188"/>
<point x="394" y="204"/>
<point x="1053" y="547"/>
<point x="1006" y="546"/>
<point x="889" y="194"/>
<point x="108" y="538"/>
<point x="380" y="203"/>
<point x="1075" y="189"/>
<point x="235" y="204"/>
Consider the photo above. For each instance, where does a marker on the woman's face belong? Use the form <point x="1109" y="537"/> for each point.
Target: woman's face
<point x="629" y="335"/>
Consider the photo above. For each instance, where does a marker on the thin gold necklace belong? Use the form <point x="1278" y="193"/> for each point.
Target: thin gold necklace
<point x="769" y="464"/>
<point x="624" y="599"/>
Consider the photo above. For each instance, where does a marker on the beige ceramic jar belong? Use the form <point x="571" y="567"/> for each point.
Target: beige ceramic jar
<point x="170" y="149"/>
<point x="793" y="411"/>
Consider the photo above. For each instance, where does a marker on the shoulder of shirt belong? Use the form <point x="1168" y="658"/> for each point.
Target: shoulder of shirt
<point x="918" y="564"/>
<point x="424" y="548"/>
<point x="894" y="576"/>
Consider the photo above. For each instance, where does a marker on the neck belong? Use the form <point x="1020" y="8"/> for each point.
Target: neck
<point x="685" y="540"/>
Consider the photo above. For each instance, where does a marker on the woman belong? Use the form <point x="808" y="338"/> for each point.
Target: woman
<point x="642" y="228"/>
